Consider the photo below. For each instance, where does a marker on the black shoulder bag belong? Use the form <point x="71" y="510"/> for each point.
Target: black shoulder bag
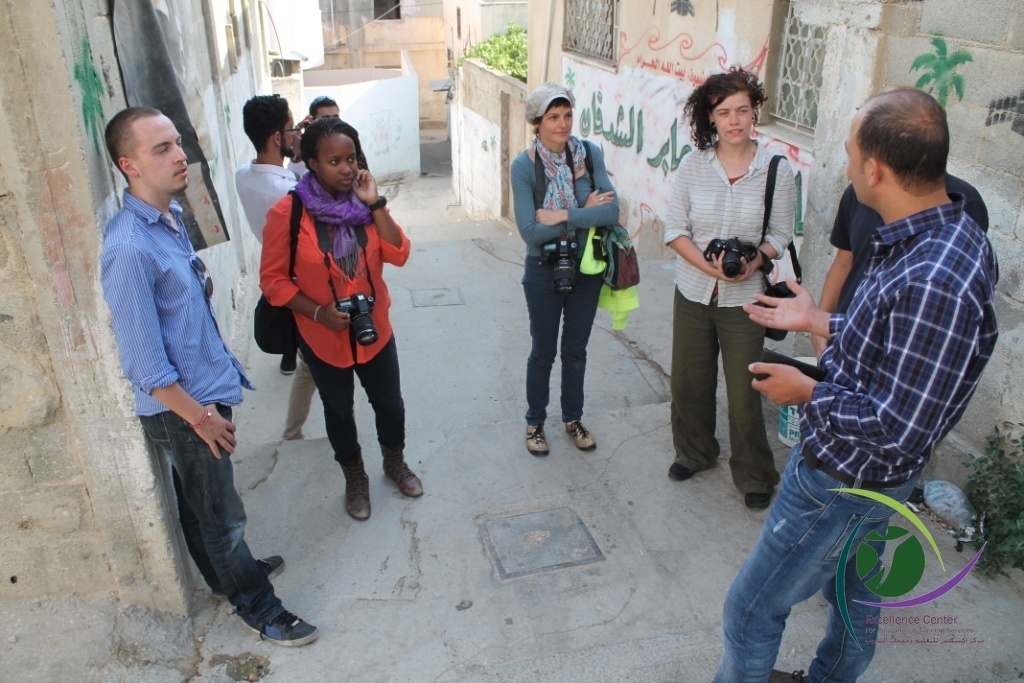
<point x="274" y="327"/>
<point x="779" y="290"/>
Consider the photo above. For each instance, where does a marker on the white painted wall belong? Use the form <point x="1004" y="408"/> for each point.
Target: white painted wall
<point x="383" y="105"/>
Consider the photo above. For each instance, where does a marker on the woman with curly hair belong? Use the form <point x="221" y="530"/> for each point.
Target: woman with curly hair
<point x="718" y="195"/>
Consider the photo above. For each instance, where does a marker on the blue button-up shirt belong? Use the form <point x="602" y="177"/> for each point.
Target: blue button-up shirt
<point x="164" y="324"/>
<point x="906" y="358"/>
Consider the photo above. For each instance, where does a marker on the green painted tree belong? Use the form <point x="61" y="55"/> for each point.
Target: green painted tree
<point x="940" y="76"/>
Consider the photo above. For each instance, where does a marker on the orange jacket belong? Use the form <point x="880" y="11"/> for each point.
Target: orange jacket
<point x="330" y="346"/>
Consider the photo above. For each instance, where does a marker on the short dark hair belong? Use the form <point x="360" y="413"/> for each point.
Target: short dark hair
<point x="906" y="129"/>
<point x="262" y="116"/>
<point x="329" y="125"/>
<point x="119" y="135"/>
<point x="319" y="103"/>
<point x="711" y="93"/>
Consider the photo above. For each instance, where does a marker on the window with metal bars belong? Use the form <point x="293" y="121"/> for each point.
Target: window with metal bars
<point x="590" y="28"/>
<point x="798" y="82"/>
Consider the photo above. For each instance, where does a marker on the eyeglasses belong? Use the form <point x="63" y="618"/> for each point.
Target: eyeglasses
<point x="317" y="101"/>
<point x="296" y="129"/>
<point x="204" y="275"/>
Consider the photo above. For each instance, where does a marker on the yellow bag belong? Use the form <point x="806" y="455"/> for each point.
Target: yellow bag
<point x="589" y="263"/>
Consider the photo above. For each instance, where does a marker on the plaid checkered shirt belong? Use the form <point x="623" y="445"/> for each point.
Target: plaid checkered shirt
<point x="905" y="359"/>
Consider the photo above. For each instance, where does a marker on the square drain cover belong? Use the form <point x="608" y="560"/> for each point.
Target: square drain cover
<point x="535" y="542"/>
<point x="437" y="297"/>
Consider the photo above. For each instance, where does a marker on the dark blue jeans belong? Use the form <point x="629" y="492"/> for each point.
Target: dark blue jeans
<point x="381" y="380"/>
<point x="575" y="312"/>
<point x="212" y="516"/>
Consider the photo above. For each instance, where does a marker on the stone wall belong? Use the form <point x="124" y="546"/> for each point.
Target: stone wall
<point x="85" y="505"/>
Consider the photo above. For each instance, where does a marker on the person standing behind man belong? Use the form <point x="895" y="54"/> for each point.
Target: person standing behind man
<point x="892" y="389"/>
<point x="851" y="236"/>
<point x="321" y="107"/>
<point x="268" y="123"/>
<point x="184" y="377"/>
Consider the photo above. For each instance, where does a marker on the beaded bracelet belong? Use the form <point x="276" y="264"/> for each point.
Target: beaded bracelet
<point x="202" y="421"/>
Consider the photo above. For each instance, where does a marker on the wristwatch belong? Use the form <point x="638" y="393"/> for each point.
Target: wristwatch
<point x="381" y="202"/>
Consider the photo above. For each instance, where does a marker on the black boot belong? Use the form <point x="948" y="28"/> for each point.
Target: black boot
<point x="357" y="489"/>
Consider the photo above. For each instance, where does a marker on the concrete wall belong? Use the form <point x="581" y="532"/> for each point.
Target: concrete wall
<point x="479" y="19"/>
<point x="85" y="506"/>
<point x="382" y="104"/>
<point x="356" y="41"/>
<point x="488" y="130"/>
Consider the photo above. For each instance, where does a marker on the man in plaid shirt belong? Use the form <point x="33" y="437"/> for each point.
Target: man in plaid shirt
<point x="900" y="367"/>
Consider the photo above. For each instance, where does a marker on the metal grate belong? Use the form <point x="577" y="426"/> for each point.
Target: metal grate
<point x="799" y="82"/>
<point x="590" y="28"/>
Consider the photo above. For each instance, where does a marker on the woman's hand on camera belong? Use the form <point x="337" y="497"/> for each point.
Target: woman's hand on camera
<point x="365" y="187"/>
<point x="600" y="199"/>
<point x="332" y="318"/>
<point x="551" y="217"/>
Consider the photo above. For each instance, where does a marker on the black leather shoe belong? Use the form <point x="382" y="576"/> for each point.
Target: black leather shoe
<point x="757" y="501"/>
<point x="678" y="472"/>
<point x="787" y="677"/>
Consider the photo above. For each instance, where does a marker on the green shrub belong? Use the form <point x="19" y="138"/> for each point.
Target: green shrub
<point x="505" y="52"/>
<point x="995" y="490"/>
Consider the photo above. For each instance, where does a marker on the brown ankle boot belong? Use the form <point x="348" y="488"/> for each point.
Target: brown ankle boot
<point x="357" y="489"/>
<point x="398" y="472"/>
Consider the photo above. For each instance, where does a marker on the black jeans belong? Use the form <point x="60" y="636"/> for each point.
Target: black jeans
<point x="381" y="381"/>
<point x="575" y="312"/>
<point x="212" y="516"/>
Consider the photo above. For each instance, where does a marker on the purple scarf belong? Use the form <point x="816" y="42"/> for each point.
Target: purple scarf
<point x="343" y="213"/>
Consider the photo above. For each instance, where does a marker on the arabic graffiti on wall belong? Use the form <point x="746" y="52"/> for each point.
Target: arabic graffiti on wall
<point x="637" y="120"/>
<point x="1009" y="108"/>
<point x="678" y="57"/>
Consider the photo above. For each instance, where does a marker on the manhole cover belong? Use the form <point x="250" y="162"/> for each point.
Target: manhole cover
<point x="437" y="297"/>
<point x="535" y="542"/>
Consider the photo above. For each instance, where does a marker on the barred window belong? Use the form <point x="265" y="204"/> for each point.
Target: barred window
<point x="590" y="28"/>
<point x="798" y="85"/>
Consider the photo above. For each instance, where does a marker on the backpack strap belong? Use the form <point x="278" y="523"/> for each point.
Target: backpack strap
<point x="769" y="191"/>
<point x="293" y="236"/>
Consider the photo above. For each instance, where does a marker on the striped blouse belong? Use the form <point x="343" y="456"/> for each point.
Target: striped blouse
<point x="704" y="206"/>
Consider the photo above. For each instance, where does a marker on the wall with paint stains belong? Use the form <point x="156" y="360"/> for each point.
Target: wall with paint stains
<point x="85" y="505"/>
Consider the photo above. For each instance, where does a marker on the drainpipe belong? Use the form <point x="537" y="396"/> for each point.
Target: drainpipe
<point x="547" y="40"/>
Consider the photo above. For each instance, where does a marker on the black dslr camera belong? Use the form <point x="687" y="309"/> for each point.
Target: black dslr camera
<point x="562" y="252"/>
<point x="361" y="327"/>
<point x="735" y="251"/>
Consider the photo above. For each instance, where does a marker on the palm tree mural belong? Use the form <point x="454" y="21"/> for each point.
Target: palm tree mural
<point x="682" y="7"/>
<point x="940" y="71"/>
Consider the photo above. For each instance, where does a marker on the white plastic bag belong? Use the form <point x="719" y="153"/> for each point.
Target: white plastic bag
<point x="948" y="501"/>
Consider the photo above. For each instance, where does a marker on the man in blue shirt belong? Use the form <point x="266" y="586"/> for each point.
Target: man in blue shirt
<point x="901" y="365"/>
<point x="185" y="378"/>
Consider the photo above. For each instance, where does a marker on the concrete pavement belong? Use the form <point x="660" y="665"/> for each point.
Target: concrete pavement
<point x="575" y="567"/>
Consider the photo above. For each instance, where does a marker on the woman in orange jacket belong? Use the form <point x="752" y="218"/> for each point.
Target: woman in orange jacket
<point x="340" y="300"/>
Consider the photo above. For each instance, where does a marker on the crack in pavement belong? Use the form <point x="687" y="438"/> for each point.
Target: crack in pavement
<point x="488" y="248"/>
<point x="273" y="466"/>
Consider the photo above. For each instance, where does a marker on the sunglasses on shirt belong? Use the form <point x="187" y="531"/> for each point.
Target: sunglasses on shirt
<point x="204" y="275"/>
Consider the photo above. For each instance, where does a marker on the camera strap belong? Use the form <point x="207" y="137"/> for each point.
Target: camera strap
<point x="769" y="192"/>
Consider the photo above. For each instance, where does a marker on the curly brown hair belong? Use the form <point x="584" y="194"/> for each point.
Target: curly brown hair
<point x="710" y="94"/>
